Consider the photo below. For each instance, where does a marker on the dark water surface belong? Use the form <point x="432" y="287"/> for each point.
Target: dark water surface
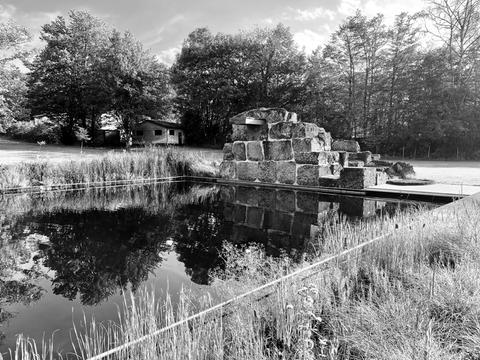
<point x="63" y="254"/>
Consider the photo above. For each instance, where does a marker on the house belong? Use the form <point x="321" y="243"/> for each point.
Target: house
<point x="158" y="132"/>
<point x="107" y="135"/>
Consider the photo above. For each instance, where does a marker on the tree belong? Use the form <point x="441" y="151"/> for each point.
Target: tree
<point x="82" y="135"/>
<point x="138" y="85"/>
<point x="12" y="80"/>
<point x="217" y="76"/>
<point x="65" y="82"/>
<point x="457" y="24"/>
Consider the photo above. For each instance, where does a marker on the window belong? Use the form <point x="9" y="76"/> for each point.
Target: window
<point x="158" y="132"/>
<point x="172" y="132"/>
<point x="139" y="132"/>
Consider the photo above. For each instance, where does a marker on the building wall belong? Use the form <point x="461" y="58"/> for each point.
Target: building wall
<point x="149" y="136"/>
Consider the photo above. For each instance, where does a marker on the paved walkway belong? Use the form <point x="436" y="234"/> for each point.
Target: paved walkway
<point x="440" y="190"/>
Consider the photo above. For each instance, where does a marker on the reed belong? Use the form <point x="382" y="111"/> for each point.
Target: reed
<point x="414" y="294"/>
<point x="151" y="163"/>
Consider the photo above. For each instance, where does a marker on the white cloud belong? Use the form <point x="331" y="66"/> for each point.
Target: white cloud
<point x="156" y="36"/>
<point x="313" y="14"/>
<point x="6" y="12"/>
<point x="310" y="40"/>
<point x="389" y="8"/>
<point x="168" y="56"/>
<point x="348" y="7"/>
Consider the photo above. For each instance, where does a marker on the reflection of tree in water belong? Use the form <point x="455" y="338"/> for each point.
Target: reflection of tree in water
<point x="17" y="273"/>
<point x="96" y="252"/>
<point x="199" y="232"/>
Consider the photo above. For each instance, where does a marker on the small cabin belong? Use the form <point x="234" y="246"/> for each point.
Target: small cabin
<point x="158" y="132"/>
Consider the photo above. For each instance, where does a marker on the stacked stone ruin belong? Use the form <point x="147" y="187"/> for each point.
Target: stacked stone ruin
<point x="272" y="146"/>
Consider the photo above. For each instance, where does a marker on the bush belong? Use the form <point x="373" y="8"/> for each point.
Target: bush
<point x="35" y="131"/>
<point x="475" y="155"/>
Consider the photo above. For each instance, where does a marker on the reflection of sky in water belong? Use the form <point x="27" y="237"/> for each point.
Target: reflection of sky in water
<point x="86" y="246"/>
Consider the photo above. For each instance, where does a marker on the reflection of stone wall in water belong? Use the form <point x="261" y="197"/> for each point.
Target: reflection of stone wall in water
<point x="272" y="146"/>
<point x="286" y="219"/>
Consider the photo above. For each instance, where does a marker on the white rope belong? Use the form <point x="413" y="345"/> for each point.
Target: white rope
<point x="234" y="299"/>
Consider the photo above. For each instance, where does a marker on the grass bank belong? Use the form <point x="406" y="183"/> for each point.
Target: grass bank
<point x="150" y="163"/>
<point x="413" y="295"/>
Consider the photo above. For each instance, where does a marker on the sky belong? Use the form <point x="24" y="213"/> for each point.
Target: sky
<point x="162" y="25"/>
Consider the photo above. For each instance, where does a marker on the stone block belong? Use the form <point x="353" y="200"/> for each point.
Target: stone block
<point x="302" y="223"/>
<point x="307" y="175"/>
<point x="324" y="206"/>
<point x="239" y="214"/>
<point x="246" y="195"/>
<point x="242" y="234"/>
<point x="376" y="157"/>
<point x="333" y="157"/>
<point x="278" y="240"/>
<point x="279" y="150"/>
<point x="249" y="132"/>
<point x="228" y="151"/>
<point x="325" y="138"/>
<point x="329" y="181"/>
<point x="346" y="145"/>
<point x="228" y="210"/>
<point x="285" y="201"/>
<point x="355" y="163"/>
<point x="254" y="217"/>
<point x="381" y="178"/>
<point x="324" y="170"/>
<point x="307" y="145"/>
<point x="343" y="158"/>
<point x="357" y="177"/>
<point x="307" y="202"/>
<point x="282" y="130"/>
<point x="239" y="151"/>
<point x="365" y="156"/>
<point x="280" y="221"/>
<point x="335" y="168"/>
<point x="270" y="115"/>
<point x="292" y="117"/>
<point x="304" y="130"/>
<point x="286" y="172"/>
<point x="248" y="171"/>
<point x="267" y="172"/>
<point x="227" y="193"/>
<point x="266" y="198"/>
<point x="313" y="158"/>
<point x="228" y="170"/>
<point x="255" y="151"/>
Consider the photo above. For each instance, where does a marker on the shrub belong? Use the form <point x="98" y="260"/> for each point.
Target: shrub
<point x="35" y="131"/>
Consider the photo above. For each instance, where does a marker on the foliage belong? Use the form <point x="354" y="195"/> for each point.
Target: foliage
<point x="217" y="76"/>
<point x="87" y="69"/>
<point x="39" y="130"/>
<point x="138" y="84"/>
<point x="12" y="80"/>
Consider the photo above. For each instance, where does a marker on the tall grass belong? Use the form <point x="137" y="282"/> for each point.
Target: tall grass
<point x="153" y="163"/>
<point x="415" y="294"/>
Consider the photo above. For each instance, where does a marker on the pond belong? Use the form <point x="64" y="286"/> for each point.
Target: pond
<point x="66" y="254"/>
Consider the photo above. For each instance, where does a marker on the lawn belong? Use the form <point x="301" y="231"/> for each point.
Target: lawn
<point x="14" y="152"/>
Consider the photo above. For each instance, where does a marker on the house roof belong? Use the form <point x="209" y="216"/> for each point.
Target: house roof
<point x="167" y="124"/>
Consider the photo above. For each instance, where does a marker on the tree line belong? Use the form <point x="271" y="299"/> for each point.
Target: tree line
<point x="378" y="83"/>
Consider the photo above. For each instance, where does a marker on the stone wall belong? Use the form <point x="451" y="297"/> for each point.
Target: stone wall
<point x="279" y="149"/>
